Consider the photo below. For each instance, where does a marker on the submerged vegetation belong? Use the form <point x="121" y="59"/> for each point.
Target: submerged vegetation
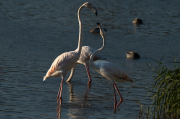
<point x="166" y="96"/>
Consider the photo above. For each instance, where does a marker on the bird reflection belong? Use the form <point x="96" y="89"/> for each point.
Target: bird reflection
<point x="74" y="111"/>
<point x="58" y="112"/>
<point x="72" y="97"/>
<point x="79" y="104"/>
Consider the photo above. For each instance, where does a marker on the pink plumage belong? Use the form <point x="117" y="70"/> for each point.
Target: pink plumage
<point x="66" y="61"/>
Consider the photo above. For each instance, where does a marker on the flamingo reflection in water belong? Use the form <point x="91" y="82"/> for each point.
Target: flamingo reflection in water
<point x="109" y="70"/>
<point x="66" y="61"/>
<point x="73" y="97"/>
<point x="58" y="109"/>
<point x="74" y="102"/>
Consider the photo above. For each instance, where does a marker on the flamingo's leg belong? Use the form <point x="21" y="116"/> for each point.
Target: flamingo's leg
<point x="88" y="72"/>
<point x="121" y="98"/>
<point x="115" y="100"/>
<point x="60" y="92"/>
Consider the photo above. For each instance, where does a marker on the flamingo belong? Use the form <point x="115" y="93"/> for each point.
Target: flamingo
<point x="84" y="59"/>
<point x="109" y="70"/>
<point x="66" y="61"/>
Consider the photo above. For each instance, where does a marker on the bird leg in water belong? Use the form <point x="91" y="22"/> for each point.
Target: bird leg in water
<point x="115" y="100"/>
<point x="121" y="98"/>
<point x="59" y="96"/>
<point x="89" y="86"/>
<point x="88" y="72"/>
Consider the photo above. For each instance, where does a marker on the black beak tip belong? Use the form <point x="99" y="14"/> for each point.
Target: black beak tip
<point x="96" y="13"/>
<point x="98" y="23"/>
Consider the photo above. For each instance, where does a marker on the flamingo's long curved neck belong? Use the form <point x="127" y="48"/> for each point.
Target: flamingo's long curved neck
<point x="99" y="50"/>
<point x="80" y="31"/>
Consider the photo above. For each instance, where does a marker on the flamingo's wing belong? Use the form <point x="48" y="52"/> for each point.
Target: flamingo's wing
<point x="63" y="63"/>
<point x="111" y="71"/>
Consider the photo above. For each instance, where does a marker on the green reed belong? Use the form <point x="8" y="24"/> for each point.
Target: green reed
<point x="165" y="94"/>
<point x="166" y="99"/>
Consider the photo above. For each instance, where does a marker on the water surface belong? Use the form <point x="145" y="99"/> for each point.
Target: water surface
<point x="34" y="33"/>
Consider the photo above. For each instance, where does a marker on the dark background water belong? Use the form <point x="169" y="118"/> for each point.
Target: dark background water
<point x="33" y="33"/>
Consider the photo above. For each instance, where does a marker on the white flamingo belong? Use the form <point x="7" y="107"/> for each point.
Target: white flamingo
<point x="109" y="70"/>
<point x="66" y="61"/>
<point x="84" y="59"/>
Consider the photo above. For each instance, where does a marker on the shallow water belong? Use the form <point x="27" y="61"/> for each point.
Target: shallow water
<point x="34" y="33"/>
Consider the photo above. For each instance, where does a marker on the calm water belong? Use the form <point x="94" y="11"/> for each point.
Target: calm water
<point x="33" y="33"/>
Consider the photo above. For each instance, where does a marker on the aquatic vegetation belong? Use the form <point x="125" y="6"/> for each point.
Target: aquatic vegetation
<point x="165" y="94"/>
<point x="166" y="99"/>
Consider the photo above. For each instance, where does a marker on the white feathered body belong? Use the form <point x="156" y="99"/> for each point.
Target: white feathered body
<point x="110" y="71"/>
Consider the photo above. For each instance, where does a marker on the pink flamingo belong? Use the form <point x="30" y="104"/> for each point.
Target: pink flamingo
<point x="109" y="70"/>
<point x="84" y="59"/>
<point x="66" y="61"/>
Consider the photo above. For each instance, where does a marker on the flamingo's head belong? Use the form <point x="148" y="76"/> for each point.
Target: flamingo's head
<point x="90" y="6"/>
<point x="45" y="77"/>
<point x="49" y="73"/>
<point x="127" y="78"/>
<point x="52" y="73"/>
